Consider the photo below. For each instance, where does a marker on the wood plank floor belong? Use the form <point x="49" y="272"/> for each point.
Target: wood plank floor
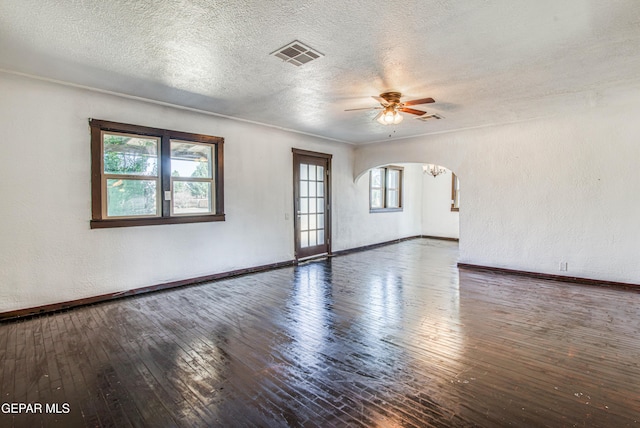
<point x="395" y="336"/>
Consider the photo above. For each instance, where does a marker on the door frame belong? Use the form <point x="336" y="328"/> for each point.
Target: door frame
<point x="297" y="155"/>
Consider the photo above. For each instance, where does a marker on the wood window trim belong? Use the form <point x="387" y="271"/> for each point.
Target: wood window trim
<point x="97" y="218"/>
<point x="454" y="193"/>
<point x="385" y="190"/>
<point x="311" y="154"/>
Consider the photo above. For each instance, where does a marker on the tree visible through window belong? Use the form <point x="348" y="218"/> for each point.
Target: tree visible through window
<point x="143" y="176"/>
<point x="131" y="174"/>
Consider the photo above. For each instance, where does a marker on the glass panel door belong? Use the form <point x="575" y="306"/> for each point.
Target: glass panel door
<point x="311" y="204"/>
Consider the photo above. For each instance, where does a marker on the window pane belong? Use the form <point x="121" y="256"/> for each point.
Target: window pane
<point x="128" y="198"/>
<point x="394" y="176"/>
<point x="320" y="188"/>
<point x="304" y="205"/>
<point x="320" y="205"/>
<point x="312" y="188"/>
<point x="304" y="186"/>
<point x="320" y="170"/>
<point x="304" y="239"/>
<point x="191" y="160"/>
<point x="130" y="155"/>
<point x="320" y="237"/>
<point x="312" y="238"/>
<point x="320" y="224"/>
<point x="304" y="222"/>
<point x="312" y="172"/>
<point x="303" y="172"/>
<point x="376" y="198"/>
<point x="191" y="197"/>
<point x="376" y="177"/>
<point x="312" y="221"/>
<point x="392" y="199"/>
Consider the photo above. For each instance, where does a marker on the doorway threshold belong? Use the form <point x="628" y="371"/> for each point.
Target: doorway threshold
<point x="313" y="258"/>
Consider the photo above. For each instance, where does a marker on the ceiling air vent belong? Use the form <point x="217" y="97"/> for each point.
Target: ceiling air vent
<point x="426" y="117"/>
<point x="296" y="53"/>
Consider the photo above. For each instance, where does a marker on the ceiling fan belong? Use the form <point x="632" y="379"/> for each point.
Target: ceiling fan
<point x="391" y="106"/>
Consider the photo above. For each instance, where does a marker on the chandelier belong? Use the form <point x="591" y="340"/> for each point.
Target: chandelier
<point x="433" y="170"/>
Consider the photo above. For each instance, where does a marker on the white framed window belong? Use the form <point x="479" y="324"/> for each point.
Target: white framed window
<point x="385" y="189"/>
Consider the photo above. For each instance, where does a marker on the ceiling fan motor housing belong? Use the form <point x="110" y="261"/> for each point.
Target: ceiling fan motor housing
<point x="391" y="97"/>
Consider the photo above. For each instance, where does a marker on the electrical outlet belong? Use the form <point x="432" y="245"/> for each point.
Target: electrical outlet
<point x="564" y="266"/>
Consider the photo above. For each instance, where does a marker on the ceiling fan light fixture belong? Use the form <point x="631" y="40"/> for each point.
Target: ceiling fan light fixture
<point x="391" y="106"/>
<point x="390" y="116"/>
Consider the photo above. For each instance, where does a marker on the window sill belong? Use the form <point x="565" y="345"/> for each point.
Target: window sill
<point x="384" y="210"/>
<point x="131" y="222"/>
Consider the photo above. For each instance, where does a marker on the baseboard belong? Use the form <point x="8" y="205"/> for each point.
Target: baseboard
<point x="55" y="307"/>
<point x="442" y="238"/>
<point x="551" y="277"/>
<point x="372" y="246"/>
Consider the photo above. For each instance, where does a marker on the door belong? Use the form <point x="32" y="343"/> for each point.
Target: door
<point x="311" y="203"/>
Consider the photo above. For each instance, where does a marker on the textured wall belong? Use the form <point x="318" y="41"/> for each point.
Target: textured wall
<point x="49" y="254"/>
<point x="535" y="193"/>
<point x="358" y="227"/>
<point x="437" y="217"/>
<point x="544" y="191"/>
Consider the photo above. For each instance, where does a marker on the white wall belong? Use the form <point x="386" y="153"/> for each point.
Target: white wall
<point x="360" y="227"/>
<point x="534" y="194"/>
<point x="437" y="217"/>
<point x="48" y="253"/>
<point x="548" y="190"/>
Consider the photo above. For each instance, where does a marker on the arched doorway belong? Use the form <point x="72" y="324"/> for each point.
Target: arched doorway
<point x="429" y="201"/>
<point x="440" y="202"/>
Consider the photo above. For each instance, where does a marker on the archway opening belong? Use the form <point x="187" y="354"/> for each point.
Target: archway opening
<point x="440" y="202"/>
<point x="429" y="191"/>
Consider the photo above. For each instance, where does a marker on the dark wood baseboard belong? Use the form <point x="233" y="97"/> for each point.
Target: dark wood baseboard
<point x="551" y="277"/>
<point x="442" y="238"/>
<point x="56" y="307"/>
<point x="372" y="246"/>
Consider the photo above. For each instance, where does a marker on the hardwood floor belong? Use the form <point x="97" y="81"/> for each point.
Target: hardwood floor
<point x="395" y="336"/>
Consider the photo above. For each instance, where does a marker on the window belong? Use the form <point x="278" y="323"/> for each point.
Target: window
<point x="455" y="193"/>
<point x="145" y="176"/>
<point x="385" y="189"/>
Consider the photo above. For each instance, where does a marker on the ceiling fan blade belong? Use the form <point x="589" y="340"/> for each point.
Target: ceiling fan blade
<point x="381" y="100"/>
<point x="364" y="108"/>
<point x="420" y="101"/>
<point x="413" y="111"/>
<point x="378" y="116"/>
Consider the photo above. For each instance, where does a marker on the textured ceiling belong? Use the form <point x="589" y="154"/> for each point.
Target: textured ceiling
<point x="485" y="62"/>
